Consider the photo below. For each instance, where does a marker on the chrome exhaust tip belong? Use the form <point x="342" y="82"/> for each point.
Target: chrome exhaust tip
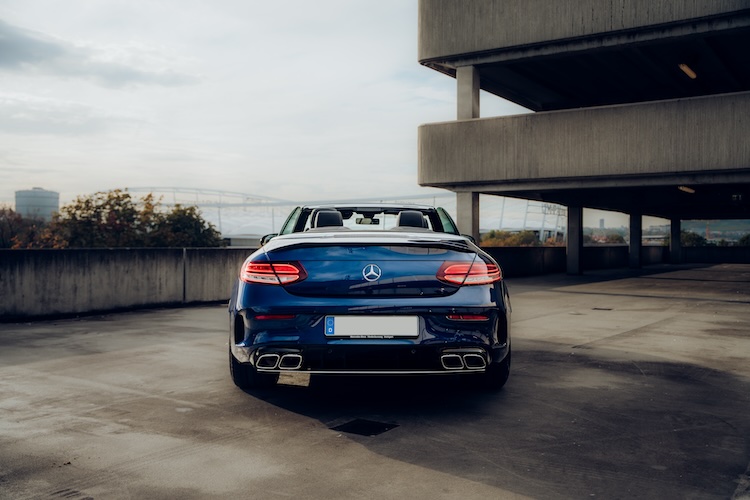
<point x="452" y="362"/>
<point x="474" y="361"/>
<point x="290" y="362"/>
<point x="267" y="361"/>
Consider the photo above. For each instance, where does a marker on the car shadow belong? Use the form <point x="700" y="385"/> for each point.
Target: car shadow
<point x="569" y="424"/>
<point x="333" y="399"/>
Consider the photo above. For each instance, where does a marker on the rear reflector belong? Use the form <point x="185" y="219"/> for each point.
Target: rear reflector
<point x="268" y="317"/>
<point x="272" y="273"/>
<point x="465" y="273"/>
<point x="468" y="317"/>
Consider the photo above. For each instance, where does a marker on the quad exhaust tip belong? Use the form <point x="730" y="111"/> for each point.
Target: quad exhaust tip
<point x="452" y="362"/>
<point x="290" y="362"/>
<point x="474" y="361"/>
<point x="463" y="361"/>
<point x="275" y="361"/>
<point x="268" y="361"/>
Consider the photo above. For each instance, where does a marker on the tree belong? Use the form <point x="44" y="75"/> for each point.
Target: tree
<point x="508" y="239"/>
<point x="17" y="231"/>
<point x="100" y="220"/>
<point x="744" y="241"/>
<point x="691" y="239"/>
<point x="114" y="219"/>
<point x="184" y="227"/>
<point x="614" y="239"/>
<point x="11" y="223"/>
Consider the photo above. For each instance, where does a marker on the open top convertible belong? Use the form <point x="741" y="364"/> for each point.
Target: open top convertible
<point x="369" y="290"/>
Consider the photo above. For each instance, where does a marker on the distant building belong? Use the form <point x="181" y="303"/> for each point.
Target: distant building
<point x="37" y="203"/>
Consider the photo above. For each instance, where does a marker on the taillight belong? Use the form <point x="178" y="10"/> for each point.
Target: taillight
<point x="468" y="317"/>
<point x="272" y="273"/>
<point x="469" y="273"/>
<point x="272" y="317"/>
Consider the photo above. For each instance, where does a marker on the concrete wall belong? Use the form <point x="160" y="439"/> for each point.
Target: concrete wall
<point x="604" y="257"/>
<point x="523" y="261"/>
<point x="716" y="255"/>
<point x="699" y="135"/>
<point x="518" y="261"/>
<point x="450" y="27"/>
<point x="654" y="255"/>
<point x="43" y="283"/>
<point x="36" y="283"/>
<point x="210" y="273"/>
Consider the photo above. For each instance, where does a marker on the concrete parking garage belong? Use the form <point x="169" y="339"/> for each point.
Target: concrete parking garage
<point x="625" y="384"/>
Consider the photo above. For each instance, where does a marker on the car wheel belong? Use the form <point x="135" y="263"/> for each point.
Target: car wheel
<point x="497" y="374"/>
<point x="246" y="377"/>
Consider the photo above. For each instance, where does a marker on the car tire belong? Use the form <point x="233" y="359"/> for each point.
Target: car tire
<point x="497" y="374"/>
<point x="246" y="377"/>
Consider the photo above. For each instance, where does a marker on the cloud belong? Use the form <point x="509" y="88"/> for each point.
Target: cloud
<point x="22" y="114"/>
<point x="295" y="99"/>
<point x="23" y="50"/>
<point x="22" y="47"/>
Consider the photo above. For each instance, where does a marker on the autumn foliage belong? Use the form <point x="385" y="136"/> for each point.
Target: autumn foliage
<point x="110" y="219"/>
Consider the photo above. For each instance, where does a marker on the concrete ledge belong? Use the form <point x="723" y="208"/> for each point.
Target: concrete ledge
<point x="716" y="255"/>
<point x="41" y="283"/>
<point x="629" y="143"/>
<point x="37" y="284"/>
<point x="448" y="28"/>
<point x="528" y="261"/>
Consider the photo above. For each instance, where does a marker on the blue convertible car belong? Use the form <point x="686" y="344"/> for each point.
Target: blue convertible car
<point x="369" y="290"/>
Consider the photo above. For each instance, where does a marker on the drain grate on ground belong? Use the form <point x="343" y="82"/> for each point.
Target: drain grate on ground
<point x="364" y="427"/>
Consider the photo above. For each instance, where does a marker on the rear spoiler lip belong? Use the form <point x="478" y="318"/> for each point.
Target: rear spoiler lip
<point x="367" y="238"/>
<point x="456" y="245"/>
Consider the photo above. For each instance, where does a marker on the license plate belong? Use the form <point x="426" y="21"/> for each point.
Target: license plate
<point x="372" y="327"/>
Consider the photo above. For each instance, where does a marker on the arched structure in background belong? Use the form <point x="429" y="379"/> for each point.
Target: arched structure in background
<point x="245" y="217"/>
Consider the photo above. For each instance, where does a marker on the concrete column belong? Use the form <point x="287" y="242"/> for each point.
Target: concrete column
<point x="467" y="214"/>
<point x="467" y="80"/>
<point x="575" y="240"/>
<point x="675" y="245"/>
<point x="636" y="234"/>
<point x="467" y="204"/>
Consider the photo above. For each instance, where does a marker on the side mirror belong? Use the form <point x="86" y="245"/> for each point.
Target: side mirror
<point x="265" y="239"/>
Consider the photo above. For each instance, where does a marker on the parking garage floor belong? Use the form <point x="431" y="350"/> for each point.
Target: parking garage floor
<point x="625" y="384"/>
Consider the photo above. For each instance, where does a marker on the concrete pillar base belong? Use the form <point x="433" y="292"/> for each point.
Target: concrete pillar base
<point x="675" y="244"/>
<point x="636" y="235"/>
<point x="575" y="240"/>
<point x="467" y="214"/>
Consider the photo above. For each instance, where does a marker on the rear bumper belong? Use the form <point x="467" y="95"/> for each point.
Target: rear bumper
<point x="371" y="359"/>
<point x="279" y="337"/>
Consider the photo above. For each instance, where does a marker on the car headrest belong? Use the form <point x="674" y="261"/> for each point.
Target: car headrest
<point x="410" y="218"/>
<point x="328" y="218"/>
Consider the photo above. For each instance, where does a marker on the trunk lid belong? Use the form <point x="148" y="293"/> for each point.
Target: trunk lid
<point x="371" y="266"/>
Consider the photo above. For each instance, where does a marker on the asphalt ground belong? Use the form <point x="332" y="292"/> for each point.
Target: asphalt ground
<point x="624" y="384"/>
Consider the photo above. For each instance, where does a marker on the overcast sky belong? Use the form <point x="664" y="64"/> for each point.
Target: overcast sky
<point x="297" y="99"/>
<point x="293" y="99"/>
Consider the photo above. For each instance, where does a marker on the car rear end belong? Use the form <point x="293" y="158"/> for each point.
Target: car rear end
<point x="364" y="303"/>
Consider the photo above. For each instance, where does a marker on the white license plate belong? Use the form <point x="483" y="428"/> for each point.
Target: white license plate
<point x="372" y="326"/>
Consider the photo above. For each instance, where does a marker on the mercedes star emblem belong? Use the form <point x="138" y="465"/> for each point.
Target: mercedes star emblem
<point x="371" y="272"/>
